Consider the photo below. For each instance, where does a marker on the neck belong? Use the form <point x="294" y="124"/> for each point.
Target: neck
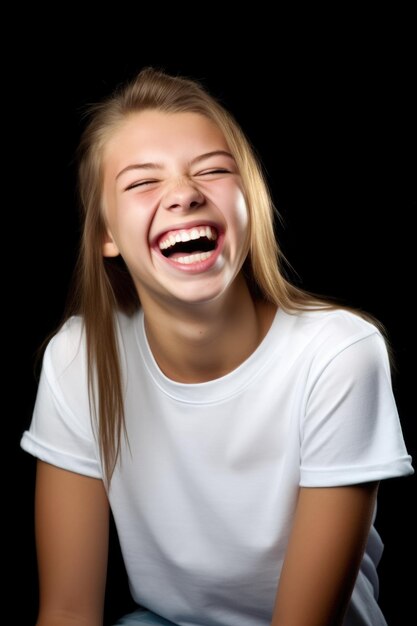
<point x="200" y="343"/>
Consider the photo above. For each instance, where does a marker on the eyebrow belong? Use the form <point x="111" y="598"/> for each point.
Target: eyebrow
<point x="152" y="166"/>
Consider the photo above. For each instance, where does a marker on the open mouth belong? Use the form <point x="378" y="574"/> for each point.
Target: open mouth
<point x="188" y="246"/>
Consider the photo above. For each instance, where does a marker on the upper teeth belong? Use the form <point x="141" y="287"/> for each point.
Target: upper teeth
<point x="186" y="235"/>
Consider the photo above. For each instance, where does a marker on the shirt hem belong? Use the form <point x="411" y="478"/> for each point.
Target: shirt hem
<point x="338" y="477"/>
<point x="60" y="459"/>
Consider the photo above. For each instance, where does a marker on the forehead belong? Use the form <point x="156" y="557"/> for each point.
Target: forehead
<point x="153" y="135"/>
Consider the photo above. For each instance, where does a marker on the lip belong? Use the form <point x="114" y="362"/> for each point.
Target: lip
<point x="199" y="266"/>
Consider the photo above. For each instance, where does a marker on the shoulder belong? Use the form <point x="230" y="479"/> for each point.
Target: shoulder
<point x="326" y="334"/>
<point x="341" y="322"/>
<point x="347" y="346"/>
<point x="67" y="350"/>
<point x="67" y="346"/>
<point x="333" y="328"/>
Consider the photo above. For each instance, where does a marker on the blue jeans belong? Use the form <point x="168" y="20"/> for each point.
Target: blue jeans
<point x="142" y="616"/>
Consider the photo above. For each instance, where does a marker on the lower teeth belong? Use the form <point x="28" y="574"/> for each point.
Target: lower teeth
<point x="194" y="258"/>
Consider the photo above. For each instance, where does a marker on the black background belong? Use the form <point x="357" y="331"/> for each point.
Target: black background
<point x="333" y="120"/>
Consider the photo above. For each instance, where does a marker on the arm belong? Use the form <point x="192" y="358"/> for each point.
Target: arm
<point x="72" y="517"/>
<point x="324" y="553"/>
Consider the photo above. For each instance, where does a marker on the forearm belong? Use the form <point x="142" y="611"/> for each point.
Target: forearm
<point x="323" y="556"/>
<point x="72" y="517"/>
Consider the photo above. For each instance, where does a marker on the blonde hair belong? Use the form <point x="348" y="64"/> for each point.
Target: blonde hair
<point x="103" y="285"/>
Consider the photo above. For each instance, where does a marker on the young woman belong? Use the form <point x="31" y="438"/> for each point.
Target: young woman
<point x="236" y="425"/>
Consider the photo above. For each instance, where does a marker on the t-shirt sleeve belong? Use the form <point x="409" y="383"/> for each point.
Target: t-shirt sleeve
<point x="351" y="431"/>
<point x="61" y="432"/>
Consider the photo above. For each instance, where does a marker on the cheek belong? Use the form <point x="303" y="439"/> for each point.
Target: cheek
<point x="129" y="220"/>
<point x="241" y="214"/>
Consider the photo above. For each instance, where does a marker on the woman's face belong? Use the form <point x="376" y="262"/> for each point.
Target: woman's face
<point x="174" y="206"/>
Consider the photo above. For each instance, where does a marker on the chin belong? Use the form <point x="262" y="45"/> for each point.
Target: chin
<point x="199" y="297"/>
<point x="199" y="293"/>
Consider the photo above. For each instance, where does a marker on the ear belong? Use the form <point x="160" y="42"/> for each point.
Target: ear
<point x="109" y="245"/>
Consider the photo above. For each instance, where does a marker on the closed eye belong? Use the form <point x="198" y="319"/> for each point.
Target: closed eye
<point x="141" y="183"/>
<point x="219" y="170"/>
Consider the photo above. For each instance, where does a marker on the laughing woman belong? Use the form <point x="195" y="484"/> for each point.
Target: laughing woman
<point x="236" y="425"/>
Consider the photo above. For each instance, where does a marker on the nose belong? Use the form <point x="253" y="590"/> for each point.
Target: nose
<point x="183" y="197"/>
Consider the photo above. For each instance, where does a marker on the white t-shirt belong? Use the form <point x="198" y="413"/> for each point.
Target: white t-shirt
<point x="204" y="496"/>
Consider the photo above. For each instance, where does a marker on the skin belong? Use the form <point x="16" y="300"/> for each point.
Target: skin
<point x="200" y="326"/>
<point x="325" y="549"/>
<point x="203" y="325"/>
<point x="72" y="521"/>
